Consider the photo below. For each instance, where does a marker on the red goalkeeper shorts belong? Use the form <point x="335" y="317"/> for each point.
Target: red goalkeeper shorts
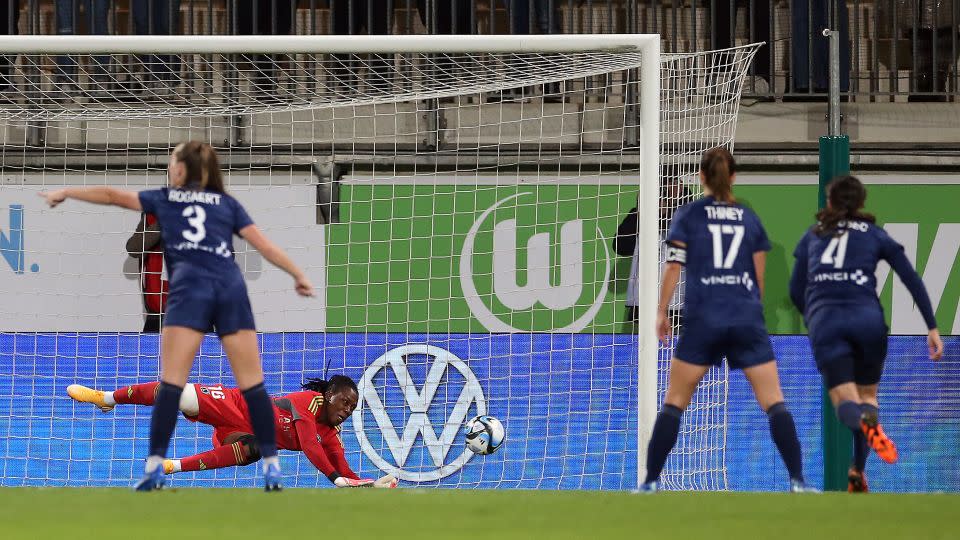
<point x="224" y="409"/>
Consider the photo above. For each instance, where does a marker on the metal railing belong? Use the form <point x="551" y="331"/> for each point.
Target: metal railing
<point x="891" y="50"/>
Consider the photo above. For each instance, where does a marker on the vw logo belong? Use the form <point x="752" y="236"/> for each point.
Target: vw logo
<point x="417" y="403"/>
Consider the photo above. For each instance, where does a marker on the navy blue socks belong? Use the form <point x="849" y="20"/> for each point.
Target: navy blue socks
<point x="784" y="434"/>
<point x="261" y="419"/>
<point x="860" y="447"/>
<point x="164" y="418"/>
<point x="869" y="410"/>
<point x="849" y="414"/>
<point x="664" y="436"/>
<point x="860" y="451"/>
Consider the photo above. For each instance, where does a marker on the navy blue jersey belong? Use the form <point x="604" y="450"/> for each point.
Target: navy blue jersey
<point x="197" y="229"/>
<point x="720" y="240"/>
<point x="838" y="268"/>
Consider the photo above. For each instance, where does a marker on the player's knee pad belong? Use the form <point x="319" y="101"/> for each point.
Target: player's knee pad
<point x="248" y="444"/>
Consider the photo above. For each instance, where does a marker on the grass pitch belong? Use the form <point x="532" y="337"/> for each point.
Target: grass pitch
<point x="101" y="514"/>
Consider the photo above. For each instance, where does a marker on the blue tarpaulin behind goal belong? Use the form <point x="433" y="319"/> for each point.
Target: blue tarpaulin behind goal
<point x="567" y="403"/>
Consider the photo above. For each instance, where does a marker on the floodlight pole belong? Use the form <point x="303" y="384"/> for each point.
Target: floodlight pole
<point x="834" y="161"/>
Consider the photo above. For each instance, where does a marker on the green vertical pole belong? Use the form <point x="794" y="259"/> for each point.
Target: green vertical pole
<point x="837" y="440"/>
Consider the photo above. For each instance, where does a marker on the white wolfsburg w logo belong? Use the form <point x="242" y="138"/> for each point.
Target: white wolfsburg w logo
<point x="419" y="403"/>
<point x="538" y="288"/>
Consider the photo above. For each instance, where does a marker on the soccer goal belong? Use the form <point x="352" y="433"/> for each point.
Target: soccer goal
<point x="454" y="198"/>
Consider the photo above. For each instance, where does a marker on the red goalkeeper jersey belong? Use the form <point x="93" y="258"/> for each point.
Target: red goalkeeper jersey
<point x="298" y="429"/>
<point x="295" y="418"/>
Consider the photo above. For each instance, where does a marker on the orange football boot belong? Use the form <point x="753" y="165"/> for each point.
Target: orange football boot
<point x="877" y="439"/>
<point x="856" y="481"/>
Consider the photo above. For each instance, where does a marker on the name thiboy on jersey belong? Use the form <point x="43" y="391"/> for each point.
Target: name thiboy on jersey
<point x="725" y="260"/>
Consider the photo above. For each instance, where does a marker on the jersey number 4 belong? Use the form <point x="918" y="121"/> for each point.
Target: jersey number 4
<point x="721" y="260"/>
<point x="196" y="216"/>
<point x="836" y="251"/>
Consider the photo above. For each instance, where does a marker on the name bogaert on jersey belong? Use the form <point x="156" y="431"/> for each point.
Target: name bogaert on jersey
<point x="204" y="197"/>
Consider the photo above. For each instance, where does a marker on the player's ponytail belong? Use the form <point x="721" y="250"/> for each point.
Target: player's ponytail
<point x="201" y="164"/>
<point x="717" y="168"/>
<point x="846" y="197"/>
<point x="336" y="384"/>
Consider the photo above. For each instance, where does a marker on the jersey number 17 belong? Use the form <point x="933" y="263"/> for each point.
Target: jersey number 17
<point x="721" y="260"/>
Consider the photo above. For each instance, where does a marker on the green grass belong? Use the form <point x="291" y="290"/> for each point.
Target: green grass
<point x="100" y="514"/>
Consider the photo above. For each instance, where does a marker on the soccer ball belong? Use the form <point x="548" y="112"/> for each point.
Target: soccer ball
<point x="484" y="434"/>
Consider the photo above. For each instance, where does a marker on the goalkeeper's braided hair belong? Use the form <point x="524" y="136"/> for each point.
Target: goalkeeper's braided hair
<point x="334" y="385"/>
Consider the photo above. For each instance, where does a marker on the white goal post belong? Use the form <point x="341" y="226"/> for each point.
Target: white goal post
<point x="584" y="121"/>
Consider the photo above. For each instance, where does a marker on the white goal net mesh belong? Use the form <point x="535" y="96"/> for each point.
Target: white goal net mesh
<point x="459" y="214"/>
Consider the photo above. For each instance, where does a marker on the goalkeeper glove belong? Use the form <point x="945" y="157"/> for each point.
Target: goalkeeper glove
<point x="387" y="482"/>
<point x="344" y="482"/>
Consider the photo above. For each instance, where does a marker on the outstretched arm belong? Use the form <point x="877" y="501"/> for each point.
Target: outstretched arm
<point x="901" y="265"/>
<point x="335" y="453"/>
<point x="307" y="435"/>
<point x="96" y="195"/>
<point x="278" y="257"/>
<point x="908" y="275"/>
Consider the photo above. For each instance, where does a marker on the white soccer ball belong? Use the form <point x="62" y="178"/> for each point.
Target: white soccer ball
<point x="484" y="434"/>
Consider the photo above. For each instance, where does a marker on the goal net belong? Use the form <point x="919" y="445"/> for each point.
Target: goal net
<point x="456" y="201"/>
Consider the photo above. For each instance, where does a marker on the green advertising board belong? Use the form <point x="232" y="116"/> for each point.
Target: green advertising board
<point x="923" y="217"/>
<point x="538" y="257"/>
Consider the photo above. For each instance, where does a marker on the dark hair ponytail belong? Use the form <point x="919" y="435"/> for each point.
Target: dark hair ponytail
<point x="846" y="196"/>
<point x="334" y="385"/>
<point x="718" y="167"/>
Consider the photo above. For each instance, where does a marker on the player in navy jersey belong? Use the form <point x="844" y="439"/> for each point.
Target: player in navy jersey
<point x="834" y="285"/>
<point x="723" y="247"/>
<point x="207" y="292"/>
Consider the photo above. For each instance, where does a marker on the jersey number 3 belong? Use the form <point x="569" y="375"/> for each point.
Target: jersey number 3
<point x="836" y="251"/>
<point x="196" y="216"/>
<point x="717" y="231"/>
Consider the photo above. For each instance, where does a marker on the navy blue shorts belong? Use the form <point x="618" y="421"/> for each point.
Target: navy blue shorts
<point x="849" y="345"/>
<point x="744" y="346"/>
<point x="209" y="304"/>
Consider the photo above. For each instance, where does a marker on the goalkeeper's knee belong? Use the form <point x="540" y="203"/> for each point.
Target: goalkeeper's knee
<point x="249" y="451"/>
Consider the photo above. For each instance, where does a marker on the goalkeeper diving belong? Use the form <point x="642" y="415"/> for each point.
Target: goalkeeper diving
<point x="307" y="421"/>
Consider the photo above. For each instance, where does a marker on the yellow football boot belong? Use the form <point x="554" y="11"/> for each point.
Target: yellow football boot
<point x="88" y="395"/>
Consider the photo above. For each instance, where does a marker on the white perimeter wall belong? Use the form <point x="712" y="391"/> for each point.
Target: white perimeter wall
<point x="78" y="277"/>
